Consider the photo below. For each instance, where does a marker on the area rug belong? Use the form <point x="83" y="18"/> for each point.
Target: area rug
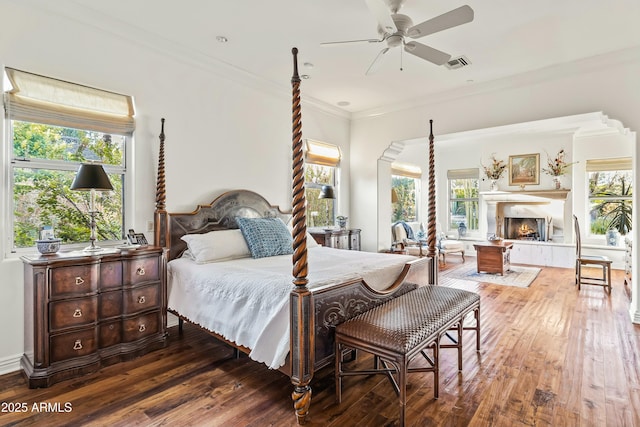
<point x="519" y="275"/>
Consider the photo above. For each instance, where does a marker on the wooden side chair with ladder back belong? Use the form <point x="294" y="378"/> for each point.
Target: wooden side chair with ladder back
<point x="596" y="261"/>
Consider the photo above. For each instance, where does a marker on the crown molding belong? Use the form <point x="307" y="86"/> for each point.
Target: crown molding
<point x="184" y="54"/>
<point x="554" y="72"/>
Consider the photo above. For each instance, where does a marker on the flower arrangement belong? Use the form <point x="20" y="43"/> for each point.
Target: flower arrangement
<point x="557" y="166"/>
<point x="496" y="169"/>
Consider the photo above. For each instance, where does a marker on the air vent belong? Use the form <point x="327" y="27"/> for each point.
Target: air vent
<point x="459" y="62"/>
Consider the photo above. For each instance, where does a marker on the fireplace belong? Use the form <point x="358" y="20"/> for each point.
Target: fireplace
<point x="525" y="229"/>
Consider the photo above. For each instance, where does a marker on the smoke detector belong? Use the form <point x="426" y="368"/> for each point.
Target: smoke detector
<point x="459" y="62"/>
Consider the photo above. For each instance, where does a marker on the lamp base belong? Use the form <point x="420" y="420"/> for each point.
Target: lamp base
<point x="93" y="249"/>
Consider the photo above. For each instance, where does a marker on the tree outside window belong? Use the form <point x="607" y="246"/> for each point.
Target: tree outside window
<point x="405" y="188"/>
<point x="463" y="203"/>
<point x="610" y="201"/>
<point x="45" y="160"/>
<point x="320" y="212"/>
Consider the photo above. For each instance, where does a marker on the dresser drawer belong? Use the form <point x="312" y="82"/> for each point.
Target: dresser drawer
<point x="110" y="304"/>
<point x="110" y="333"/>
<point x="110" y="275"/>
<point x="75" y="312"/>
<point x="73" y="280"/>
<point x="73" y="344"/>
<point x="142" y="298"/>
<point x="140" y="270"/>
<point x="141" y="326"/>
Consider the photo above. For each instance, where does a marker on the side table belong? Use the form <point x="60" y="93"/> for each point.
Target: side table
<point x="493" y="256"/>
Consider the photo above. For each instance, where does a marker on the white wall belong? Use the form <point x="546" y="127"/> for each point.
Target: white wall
<point x="608" y="84"/>
<point x="221" y="132"/>
<point x="612" y="90"/>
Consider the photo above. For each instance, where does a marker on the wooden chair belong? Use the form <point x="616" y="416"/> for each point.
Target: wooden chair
<point x="590" y="261"/>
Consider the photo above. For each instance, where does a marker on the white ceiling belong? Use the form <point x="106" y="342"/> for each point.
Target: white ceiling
<point x="506" y="38"/>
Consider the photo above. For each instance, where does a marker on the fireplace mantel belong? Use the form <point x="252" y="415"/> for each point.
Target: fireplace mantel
<point x="524" y="196"/>
<point x="553" y="205"/>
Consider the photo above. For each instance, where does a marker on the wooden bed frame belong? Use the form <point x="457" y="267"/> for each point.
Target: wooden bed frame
<point x="313" y="313"/>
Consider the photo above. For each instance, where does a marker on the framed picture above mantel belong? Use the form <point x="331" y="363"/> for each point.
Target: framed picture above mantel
<point x="524" y="169"/>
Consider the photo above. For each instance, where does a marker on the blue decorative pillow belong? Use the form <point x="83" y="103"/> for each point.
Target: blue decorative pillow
<point x="266" y="236"/>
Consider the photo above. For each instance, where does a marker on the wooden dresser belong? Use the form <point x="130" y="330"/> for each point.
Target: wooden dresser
<point x="86" y="311"/>
<point x="339" y="238"/>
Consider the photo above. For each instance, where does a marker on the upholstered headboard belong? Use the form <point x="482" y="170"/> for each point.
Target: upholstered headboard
<point x="220" y="214"/>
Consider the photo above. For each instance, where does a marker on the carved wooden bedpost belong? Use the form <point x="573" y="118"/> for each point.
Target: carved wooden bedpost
<point x="432" y="252"/>
<point x="160" y="217"/>
<point x="301" y="354"/>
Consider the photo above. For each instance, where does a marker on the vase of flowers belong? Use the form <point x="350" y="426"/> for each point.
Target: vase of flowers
<point x="494" y="171"/>
<point x="557" y="167"/>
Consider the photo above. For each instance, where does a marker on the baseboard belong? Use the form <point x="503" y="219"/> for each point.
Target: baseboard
<point x="10" y="364"/>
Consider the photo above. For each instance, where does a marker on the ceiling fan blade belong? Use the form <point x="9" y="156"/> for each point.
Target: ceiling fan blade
<point x="351" y="41"/>
<point x="427" y="53"/>
<point x="453" y="18"/>
<point x="382" y="15"/>
<point x="376" y="62"/>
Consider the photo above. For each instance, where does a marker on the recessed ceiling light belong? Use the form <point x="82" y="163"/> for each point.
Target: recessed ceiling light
<point x="343" y="103"/>
<point x="305" y="76"/>
<point x="222" y="39"/>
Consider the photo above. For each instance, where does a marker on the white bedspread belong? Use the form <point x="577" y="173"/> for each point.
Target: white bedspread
<point x="246" y="300"/>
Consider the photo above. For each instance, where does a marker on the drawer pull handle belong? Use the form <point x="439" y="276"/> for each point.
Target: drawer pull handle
<point x="77" y="313"/>
<point x="140" y="271"/>
<point x="77" y="345"/>
<point x="79" y="280"/>
<point x="141" y="299"/>
<point x="142" y="328"/>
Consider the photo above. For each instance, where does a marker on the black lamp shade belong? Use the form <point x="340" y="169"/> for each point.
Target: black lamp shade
<point x="91" y="176"/>
<point x="326" y="192"/>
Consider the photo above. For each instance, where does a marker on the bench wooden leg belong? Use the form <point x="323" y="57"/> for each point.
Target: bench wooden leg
<point x="338" y="372"/>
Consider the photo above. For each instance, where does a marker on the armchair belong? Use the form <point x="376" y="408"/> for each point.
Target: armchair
<point x="403" y="238"/>
<point x="448" y="245"/>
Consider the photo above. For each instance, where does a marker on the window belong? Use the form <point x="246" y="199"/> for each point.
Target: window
<point x="321" y="168"/>
<point x="405" y="190"/>
<point x="54" y="126"/>
<point x="463" y="197"/>
<point x="610" y="195"/>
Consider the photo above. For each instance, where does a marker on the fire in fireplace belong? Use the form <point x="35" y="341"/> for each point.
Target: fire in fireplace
<point x="525" y="229"/>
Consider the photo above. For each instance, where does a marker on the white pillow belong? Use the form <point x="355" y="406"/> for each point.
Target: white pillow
<point x="215" y="246"/>
<point x="311" y="242"/>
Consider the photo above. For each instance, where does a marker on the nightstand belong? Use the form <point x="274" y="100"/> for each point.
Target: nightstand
<point x="83" y="311"/>
<point x="339" y="238"/>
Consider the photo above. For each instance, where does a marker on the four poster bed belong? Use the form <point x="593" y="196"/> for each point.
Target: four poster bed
<point x="250" y="302"/>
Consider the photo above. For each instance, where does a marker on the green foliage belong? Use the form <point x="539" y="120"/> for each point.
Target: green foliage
<point x="405" y="209"/>
<point x="464" y="203"/>
<point x="41" y="195"/>
<point x="320" y="212"/>
<point x="611" y="201"/>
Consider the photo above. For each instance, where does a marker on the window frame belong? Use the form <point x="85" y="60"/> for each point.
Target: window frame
<point x="616" y="165"/>
<point x="10" y="164"/>
<point x="472" y="174"/>
<point x="408" y="171"/>
<point x="323" y="154"/>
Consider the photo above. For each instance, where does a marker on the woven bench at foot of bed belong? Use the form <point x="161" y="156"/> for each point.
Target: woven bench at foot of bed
<point x="402" y="328"/>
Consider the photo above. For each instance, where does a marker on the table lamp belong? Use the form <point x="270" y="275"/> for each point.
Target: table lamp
<point x="92" y="177"/>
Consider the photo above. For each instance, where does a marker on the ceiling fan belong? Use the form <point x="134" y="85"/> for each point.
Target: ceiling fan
<point x="395" y="28"/>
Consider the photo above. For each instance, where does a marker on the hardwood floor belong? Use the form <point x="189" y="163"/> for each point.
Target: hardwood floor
<point x="550" y="356"/>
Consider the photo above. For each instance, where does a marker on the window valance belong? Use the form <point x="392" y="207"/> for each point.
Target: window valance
<point x="322" y="153"/>
<point x="617" y="164"/>
<point x="40" y="99"/>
